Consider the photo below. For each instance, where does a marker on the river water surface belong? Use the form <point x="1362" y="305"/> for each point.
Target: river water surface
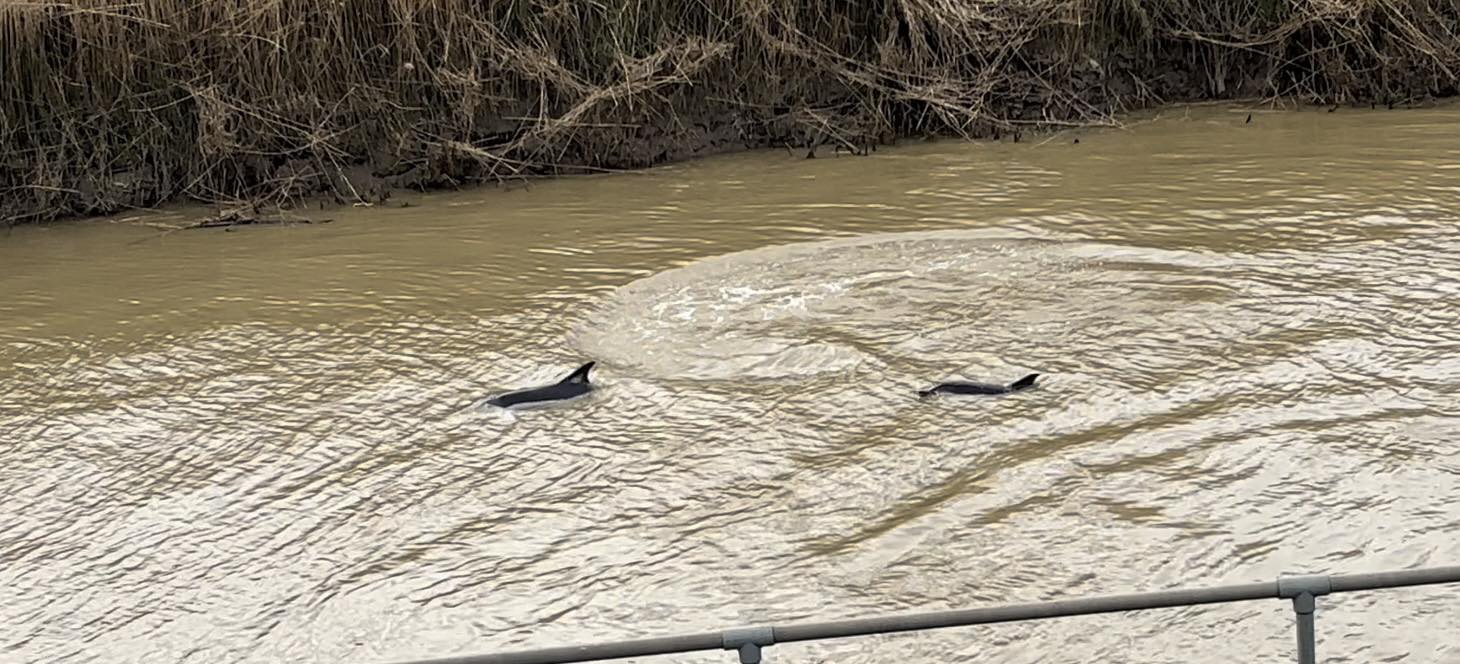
<point x="261" y="446"/>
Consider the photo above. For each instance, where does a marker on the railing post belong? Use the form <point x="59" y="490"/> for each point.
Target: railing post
<point x="1304" y="591"/>
<point x="748" y="642"/>
<point x="1304" y="605"/>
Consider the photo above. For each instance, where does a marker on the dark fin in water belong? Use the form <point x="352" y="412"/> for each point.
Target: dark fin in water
<point x="579" y="375"/>
<point x="1024" y="383"/>
<point x="923" y="394"/>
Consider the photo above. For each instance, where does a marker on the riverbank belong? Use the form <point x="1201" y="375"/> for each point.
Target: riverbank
<point x="106" y="108"/>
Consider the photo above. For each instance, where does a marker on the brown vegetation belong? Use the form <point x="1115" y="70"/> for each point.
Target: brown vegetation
<point x="107" y="105"/>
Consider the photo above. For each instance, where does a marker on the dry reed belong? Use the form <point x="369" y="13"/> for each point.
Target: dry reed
<point x="106" y="105"/>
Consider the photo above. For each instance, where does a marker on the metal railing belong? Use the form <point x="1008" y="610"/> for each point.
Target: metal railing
<point x="748" y="641"/>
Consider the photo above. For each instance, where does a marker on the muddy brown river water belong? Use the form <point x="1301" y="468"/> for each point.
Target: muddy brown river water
<point x="262" y="446"/>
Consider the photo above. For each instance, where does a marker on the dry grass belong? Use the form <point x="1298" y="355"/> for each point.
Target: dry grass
<point x="106" y="104"/>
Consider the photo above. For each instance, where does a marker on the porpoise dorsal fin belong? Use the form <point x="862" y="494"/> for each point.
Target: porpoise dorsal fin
<point x="1027" y="381"/>
<point x="579" y="375"/>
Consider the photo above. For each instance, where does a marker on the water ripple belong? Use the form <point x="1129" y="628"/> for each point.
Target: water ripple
<point x="1249" y="370"/>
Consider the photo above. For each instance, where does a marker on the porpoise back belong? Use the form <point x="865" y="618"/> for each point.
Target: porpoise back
<point x="965" y="387"/>
<point x="574" y="385"/>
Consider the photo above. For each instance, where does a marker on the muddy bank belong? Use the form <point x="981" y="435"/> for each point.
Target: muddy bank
<point x="270" y="103"/>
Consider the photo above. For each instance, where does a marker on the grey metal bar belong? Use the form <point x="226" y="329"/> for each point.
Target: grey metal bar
<point x="998" y="614"/>
<point x="614" y="650"/>
<point x="1303" y="590"/>
<point x="1304" y="605"/>
<point x="1399" y="579"/>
